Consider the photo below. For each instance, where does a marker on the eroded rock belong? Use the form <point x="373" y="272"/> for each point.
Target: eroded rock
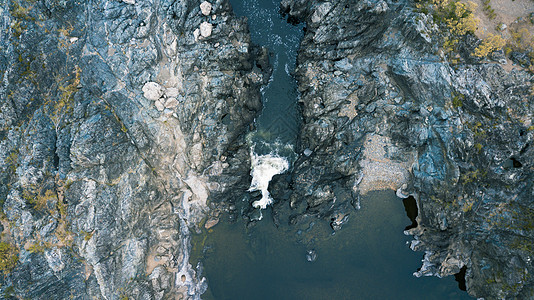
<point x="205" y="8"/>
<point x="152" y="91"/>
<point x="205" y="29"/>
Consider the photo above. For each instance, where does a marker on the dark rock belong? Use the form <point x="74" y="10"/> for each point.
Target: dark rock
<point x="375" y="97"/>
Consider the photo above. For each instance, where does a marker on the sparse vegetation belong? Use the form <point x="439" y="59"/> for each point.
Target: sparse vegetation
<point x="9" y="257"/>
<point x="457" y="100"/>
<point x="456" y="17"/>
<point x="523" y="41"/>
<point x="20" y="15"/>
<point x="468" y="205"/>
<point x="19" y="12"/>
<point x="38" y="247"/>
<point x="87" y="235"/>
<point x="37" y="200"/>
<point x="64" y="104"/>
<point x="490" y="12"/>
<point x="489" y="44"/>
<point x="472" y="176"/>
<point x="478" y="130"/>
<point x="13" y="160"/>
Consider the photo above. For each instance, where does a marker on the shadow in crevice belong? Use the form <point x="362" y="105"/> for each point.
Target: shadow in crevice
<point x="460" y="278"/>
<point x="410" y="206"/>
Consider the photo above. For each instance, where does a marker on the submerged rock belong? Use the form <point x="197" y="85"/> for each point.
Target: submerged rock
<point x="311" y="255"/>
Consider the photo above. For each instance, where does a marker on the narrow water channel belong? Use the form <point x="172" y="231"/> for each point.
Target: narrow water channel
<point x="272" y="143"/>
<point x="367" y="259"/>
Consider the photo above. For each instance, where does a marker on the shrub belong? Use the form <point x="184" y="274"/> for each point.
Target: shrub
<point x="39" y="201"/>
<point x="461" y="19"/>
<point x="457" y="101"/>
<point x="489" y="44"/>
<point x="455" y="17"/>
<point x="9" y="257"/>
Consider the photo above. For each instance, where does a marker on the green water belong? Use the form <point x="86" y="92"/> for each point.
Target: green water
<point x="279" y="118"/>
<point x="367" y="259"/>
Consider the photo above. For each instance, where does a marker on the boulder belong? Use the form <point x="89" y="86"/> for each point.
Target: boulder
<point x="152" y="91"/>
<point x="205" y="29"/>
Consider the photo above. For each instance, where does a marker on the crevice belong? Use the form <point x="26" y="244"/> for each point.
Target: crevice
<point x="515" y="163"/>
<point x="410" y="206"/>
<point x="524" y="149"/>
<point x="460" y="278"/>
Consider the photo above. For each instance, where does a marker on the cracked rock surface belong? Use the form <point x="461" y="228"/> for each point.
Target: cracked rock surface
<point x="117" y="126"/>
<point x="383" y="110"/>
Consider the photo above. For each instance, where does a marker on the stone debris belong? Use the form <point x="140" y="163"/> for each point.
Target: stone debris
<point x="212" y="221"/>
<point x="171" y="103"/>
<point x="103" y="151"/>
<point x="379" y="171"/>
<point x="159" y="105"/>
<point x="205" y="8"/>
<point x="205" y="29"/>
<point x="152" y="91"/>
<point x="172" y="92"/>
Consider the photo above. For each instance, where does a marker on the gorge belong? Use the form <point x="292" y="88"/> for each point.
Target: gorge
<point x="174" y="149"/>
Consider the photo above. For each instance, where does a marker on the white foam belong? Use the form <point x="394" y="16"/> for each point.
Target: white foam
<point x="264" y="167"/>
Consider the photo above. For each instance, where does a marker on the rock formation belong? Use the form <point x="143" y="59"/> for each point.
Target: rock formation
<point x="122" y="130"/>
<point x="117" y="127"/>
<point x="383" y="108"/>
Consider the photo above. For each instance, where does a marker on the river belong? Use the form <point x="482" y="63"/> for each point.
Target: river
<point x="368" y="258"/>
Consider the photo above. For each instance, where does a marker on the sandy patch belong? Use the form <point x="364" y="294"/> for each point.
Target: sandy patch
<point x="514" y="14"/>
<point x="507" y="12"/>
<point x="380" y="172"/>
<point x="349" y="109"/>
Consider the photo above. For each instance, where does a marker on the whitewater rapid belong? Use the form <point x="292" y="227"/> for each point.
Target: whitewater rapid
<point x="263" y="168"/>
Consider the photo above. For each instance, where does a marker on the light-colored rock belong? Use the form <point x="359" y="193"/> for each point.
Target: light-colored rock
<point x="152" y="91"/>
<point x="212" y="221"/>
<point x="171" y="103"/>
<point x="196" y="34"/>
<point x="205" y="29"/>
<point x="321" y="11"/>
<point x="159" y="105"/>
<point x="214" y="17"/>
<point x="53" y="257"/>
<point x="205" y="8"/>
<point x="172" y="92"/>
<point x="380" y="172"/>
<point x="129" y="1"/>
